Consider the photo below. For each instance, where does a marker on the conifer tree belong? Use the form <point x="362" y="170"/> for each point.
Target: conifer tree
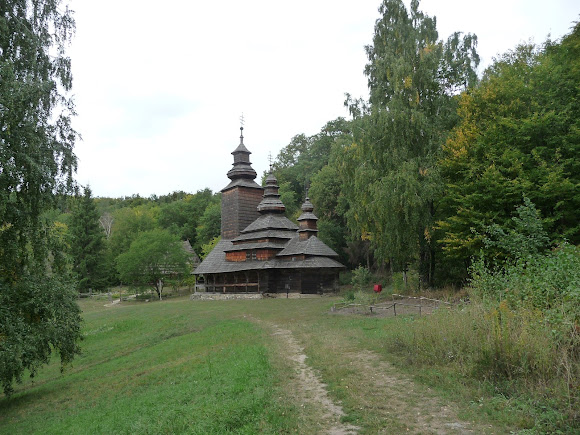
<point x="87" y="242"/>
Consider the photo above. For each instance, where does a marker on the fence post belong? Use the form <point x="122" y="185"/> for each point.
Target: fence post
<point x="395" y="309"/>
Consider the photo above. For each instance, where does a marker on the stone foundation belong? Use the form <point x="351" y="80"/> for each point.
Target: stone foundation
<point x="202" y="296"/>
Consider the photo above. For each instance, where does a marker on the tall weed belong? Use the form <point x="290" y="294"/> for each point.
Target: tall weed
<point x="549" y="283"/>
<point x="513" y="351"/>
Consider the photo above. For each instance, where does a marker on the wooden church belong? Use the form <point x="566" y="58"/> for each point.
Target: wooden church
<point x="261" y="250"/>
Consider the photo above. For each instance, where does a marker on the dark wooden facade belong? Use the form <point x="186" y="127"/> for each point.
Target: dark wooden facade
<point x="239" y="209"/>
<point x="261" y="250"/>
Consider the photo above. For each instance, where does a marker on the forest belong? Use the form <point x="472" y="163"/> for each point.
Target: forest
<point x="440" y="179"/>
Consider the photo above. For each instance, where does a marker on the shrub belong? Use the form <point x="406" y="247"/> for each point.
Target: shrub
<point x="361" y="278"/>
<point x="345" y="277"/>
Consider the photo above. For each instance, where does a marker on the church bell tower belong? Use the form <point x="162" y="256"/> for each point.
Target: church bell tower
<point x="241" y="197"/>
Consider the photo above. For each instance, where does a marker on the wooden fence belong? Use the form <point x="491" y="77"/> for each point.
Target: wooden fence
<point x="375" y="309"/>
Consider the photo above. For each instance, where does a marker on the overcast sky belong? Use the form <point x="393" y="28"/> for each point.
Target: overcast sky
<point x="160" y="86"/>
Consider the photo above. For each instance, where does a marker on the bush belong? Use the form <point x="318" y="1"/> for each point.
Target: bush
<point x="361" y="278"/>
<point x="345" y="277"/>
<point x="349" y="296"/>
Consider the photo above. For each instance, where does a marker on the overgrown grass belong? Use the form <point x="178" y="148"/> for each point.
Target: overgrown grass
<point x="508" y="355"/>
<point x="511" y="362"/>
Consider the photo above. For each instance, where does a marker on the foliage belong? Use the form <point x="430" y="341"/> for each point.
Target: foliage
<point x="405" y="282"/>
<point x="153" y="256"/>
<point x="326" y="193"/>
<point x="209" y="225"/>
<point x="38" y="310"/>
<point x="361" y="278"/>
<point x="128" y="223"/>
<point x="509" y="353"/>
<point x="38" y="314"/>
<point x="525" y="276"/>
<point x="526" y="238"/>
<point x="312" y="161"/>
<point x="391" y="164"/>
<point x="547" y="282"/>
<point x="298" y="163"/>
<point x="87" y="243"/>
<point x="182" y="215"/>
<point x="517" y="136"/>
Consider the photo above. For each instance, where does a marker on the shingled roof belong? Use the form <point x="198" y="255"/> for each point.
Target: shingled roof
<point x="312" y="246"/>
<point x="216" y="262"/>
<point x="270" y="222"/>
<point x="266" y="234"/>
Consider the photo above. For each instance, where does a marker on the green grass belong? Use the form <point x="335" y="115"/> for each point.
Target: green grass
<point x="169" y="367"/>
<point x="182" y="366"/>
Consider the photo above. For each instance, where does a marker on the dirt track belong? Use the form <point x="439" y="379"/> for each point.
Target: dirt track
<point x="389" y="395"/>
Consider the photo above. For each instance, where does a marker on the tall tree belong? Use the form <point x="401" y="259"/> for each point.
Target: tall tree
<point x="301" y="159"/>
<point x="412" y="78"/>
<point x="38" y="311"/>
<point x="87" y="241"/>
<point x="128" y="223"/>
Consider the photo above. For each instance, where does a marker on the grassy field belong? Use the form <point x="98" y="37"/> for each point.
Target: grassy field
<point x="182" y="366"/>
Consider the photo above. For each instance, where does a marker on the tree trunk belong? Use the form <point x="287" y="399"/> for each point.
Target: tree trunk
<point x="159" y="287"/>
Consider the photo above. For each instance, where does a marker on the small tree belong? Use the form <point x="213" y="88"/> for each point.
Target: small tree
<point x="153" y="257"/>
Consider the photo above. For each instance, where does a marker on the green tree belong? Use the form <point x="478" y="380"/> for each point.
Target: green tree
<point x="209" y="224"/>
<point x="330" y="208"/>
<point x="38" y="311"/>
<point x="524" y="238"/>
<point x="413" y="78"/>
<point x="128" y="223"/>
<point x="87" y="241"/>
<point x="182" y="216"/>
<point x="301" y="159"/>
<point x="154" y="256"/>
<point x="518" y="136"/>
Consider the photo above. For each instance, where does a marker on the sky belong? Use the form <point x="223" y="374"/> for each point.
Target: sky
<point x="160" y="86"/>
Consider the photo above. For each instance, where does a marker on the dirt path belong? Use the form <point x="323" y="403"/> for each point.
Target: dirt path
<point x="396" y="403"/>
<point x="308" y="389"/>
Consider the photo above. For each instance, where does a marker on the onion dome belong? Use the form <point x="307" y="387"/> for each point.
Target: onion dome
<point x="271" y="202"/>
<point x="242" y="165"/>
<point x="242" y="174"/>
